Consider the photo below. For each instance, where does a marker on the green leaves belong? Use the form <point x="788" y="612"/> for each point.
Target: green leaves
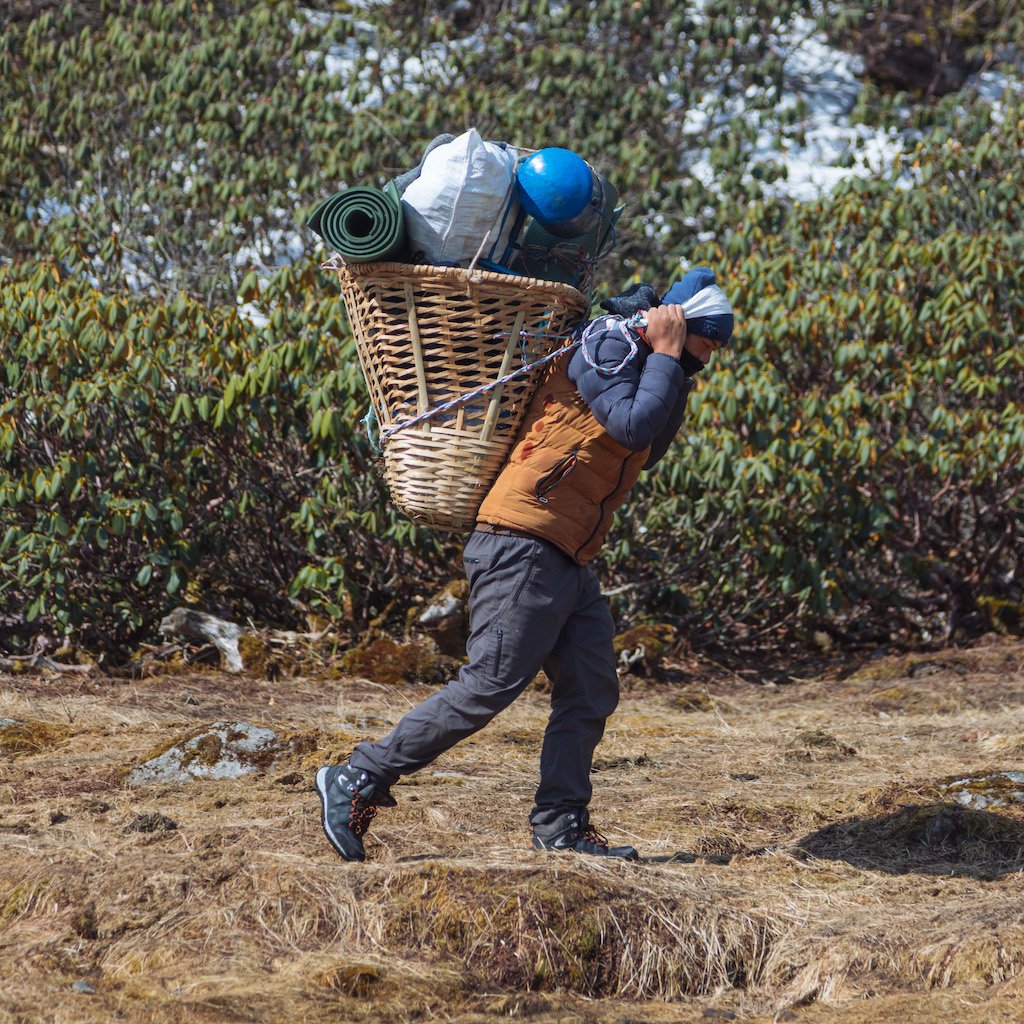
<point x="195" y="142"/>
<point x="156" y="452"/>
<point x="180" y="401"/>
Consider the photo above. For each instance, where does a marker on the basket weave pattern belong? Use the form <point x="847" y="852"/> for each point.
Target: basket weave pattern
<point x="427" y="335"/>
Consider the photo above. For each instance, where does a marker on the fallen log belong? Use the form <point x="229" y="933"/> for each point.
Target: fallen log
<point x="21" y="663"/>
<point x="222" y="634"/>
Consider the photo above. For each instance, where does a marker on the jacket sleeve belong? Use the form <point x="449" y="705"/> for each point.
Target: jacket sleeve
<point x="641" y="405"/>
<point x="660" y="444"/>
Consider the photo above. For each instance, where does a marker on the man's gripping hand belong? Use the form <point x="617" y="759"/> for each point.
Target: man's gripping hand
<point x="666" y="330"/>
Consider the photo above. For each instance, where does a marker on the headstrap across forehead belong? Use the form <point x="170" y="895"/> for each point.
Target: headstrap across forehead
<point x="707" y="309"/>
<point x="709" y="301"/>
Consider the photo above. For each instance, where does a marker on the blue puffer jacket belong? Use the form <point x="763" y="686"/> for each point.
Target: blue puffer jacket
<point x="642" y="404"/>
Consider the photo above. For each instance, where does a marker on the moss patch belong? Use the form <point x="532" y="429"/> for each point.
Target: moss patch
<point x="29" y="737"/>
<point x="640" y="651"/>
<point x="995" y="789"/>
<point x="389" y="662"/>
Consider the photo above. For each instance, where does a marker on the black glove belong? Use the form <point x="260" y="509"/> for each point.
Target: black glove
<point x="635" y="298"/>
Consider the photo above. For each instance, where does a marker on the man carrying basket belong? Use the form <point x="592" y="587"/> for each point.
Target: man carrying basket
<point x="606" y="410"/>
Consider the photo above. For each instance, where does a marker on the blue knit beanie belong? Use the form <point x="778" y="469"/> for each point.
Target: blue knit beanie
<point x="707" y="310"/>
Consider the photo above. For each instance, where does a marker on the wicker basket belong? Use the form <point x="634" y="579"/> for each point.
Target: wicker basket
<point x="427" y="335"/>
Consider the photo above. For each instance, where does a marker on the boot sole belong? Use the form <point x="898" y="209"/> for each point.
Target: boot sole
<point x="631" y="855"/>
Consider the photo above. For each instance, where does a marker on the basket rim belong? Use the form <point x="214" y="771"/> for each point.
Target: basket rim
<point x="468" y="277"/>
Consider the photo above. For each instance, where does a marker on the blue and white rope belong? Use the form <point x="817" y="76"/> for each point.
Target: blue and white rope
<point x="580" y="337"/>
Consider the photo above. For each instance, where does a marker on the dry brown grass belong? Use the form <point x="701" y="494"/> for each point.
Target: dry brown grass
<point x="802" y="859"/>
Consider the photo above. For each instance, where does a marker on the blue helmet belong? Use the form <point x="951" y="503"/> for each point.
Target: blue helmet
<point x="555" y="186"/>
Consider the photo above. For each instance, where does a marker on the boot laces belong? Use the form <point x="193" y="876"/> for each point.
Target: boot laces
<point x="360" y="815"/>
<point x="591" y="835"/>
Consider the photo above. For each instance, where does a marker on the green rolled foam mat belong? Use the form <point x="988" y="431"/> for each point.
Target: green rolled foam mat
<point x="363" y="224"/>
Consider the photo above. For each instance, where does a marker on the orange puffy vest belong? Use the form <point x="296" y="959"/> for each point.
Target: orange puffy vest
<point x="565" y="476"/>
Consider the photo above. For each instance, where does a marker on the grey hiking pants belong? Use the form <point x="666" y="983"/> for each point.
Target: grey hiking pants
<point x="530" y="608"/>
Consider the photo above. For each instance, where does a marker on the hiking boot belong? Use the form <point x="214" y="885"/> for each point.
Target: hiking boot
<point x="349" y="801"/>
<point x="572" y="832"/>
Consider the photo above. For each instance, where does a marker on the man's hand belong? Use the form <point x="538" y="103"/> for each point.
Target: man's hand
<point x="666" y="330"/>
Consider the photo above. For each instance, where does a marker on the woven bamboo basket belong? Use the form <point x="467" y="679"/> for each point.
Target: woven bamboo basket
<point x="427" y="336"/>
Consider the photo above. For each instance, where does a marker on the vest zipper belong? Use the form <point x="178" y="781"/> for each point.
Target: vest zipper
<point x="556" y="475"/>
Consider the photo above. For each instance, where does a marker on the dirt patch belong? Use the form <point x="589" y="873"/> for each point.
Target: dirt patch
<point x="811" y="852"/>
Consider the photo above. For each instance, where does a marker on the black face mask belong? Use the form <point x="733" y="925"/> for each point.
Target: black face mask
<point x="690" y="363"/>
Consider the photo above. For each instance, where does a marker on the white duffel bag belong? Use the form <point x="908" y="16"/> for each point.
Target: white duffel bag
<point x="462" y="204"/>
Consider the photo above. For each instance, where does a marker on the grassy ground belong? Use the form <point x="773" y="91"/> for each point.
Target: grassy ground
<point x="804" y="856"/>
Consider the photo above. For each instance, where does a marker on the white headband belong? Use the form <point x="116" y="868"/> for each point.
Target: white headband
<point x="709" y="301"/>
